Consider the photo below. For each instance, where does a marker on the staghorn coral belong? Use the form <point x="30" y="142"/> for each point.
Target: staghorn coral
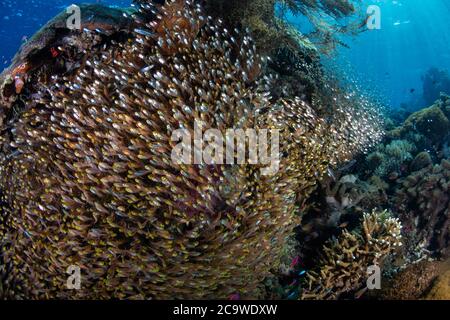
<point x="336" y="204"/>
<point x="88" y="179"/>
<point x="344" y="262"/>
<point x="423" y="203"/>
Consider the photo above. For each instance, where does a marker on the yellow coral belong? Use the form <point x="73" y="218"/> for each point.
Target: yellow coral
<point x="441" y="288"/>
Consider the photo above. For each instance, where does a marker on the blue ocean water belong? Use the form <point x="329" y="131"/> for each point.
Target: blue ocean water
<point x="414" y="37"/>
<point x="20" y="19"/>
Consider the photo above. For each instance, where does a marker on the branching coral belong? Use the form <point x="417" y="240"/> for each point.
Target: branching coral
<point x="348" y="194"/>
<point x="88" y="178"/>
<point x="344" y="262"/>
<point x="338" y="203"/>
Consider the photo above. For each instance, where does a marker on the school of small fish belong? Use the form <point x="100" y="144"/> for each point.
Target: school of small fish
<point x="87" y="177"/>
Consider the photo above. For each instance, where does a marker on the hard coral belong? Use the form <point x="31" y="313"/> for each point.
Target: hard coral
<point x="423" y="202"/>
<point x="56" y="50"/>
<point x="390" y="158"/>
<point x="421" y="161"/>
<point x="345" y="260"/>
<point x="411" y="283"/>
<point x="267" y="20"/>
<point x="88" y="178"/>
<point x="432" y="123"/>
<point x="441" y="288"/>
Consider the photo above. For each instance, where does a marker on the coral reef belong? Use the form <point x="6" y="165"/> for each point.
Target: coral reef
<point x="336" y="204"/>
<point x="44" y="52"/>
<point x="389" y="160"/>
<point x="421" y="161"/>
<point x="344" y="262"/>
<point x="431" y="123"/>
<point x="266" y="20"/>
<point x="87" y="176"/>
<point x="423" y="204"/>
<point x="411" y="283"/>
<point x="324" y="16"/>
<point x="418" y="142"/>
<point x="88" y="179"/>
<point x="427" y="128"/>
<point x="419" y="280"/>
<point x="410" y="171"/>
